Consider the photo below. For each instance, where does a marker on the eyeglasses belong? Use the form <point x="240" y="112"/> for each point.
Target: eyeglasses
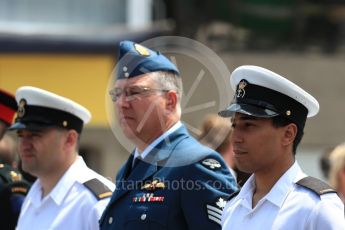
<point x="132" y="93"/>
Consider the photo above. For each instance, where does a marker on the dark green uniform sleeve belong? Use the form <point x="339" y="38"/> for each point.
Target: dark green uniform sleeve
<point x="13" y="189"/>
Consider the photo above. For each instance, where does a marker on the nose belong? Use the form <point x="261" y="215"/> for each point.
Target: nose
<point x="122" y="101"/>
<point x="24" y="143"/>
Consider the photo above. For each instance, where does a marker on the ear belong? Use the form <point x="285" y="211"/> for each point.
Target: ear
<point x="171" y="101"/>
<point x="289" y="135"/>
<point x="71" y="139"/>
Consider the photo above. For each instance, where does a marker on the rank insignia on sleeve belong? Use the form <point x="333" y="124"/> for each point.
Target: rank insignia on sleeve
<point x="211" y="163"/>
<point x="215" y="209"/>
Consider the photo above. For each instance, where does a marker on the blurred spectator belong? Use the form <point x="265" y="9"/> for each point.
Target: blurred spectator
<point x="13" y="188"/>
<point x="8" y="107"/>
<point x="324" y="163"/>
<point x="215" y="134"/>
<point x="337" y="170"/>
<point x="8" y="151"/>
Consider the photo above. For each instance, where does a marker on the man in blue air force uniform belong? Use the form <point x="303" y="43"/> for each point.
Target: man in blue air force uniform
<point x="170" y="181"/>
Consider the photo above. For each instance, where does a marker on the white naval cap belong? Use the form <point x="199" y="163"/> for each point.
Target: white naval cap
<point x="38" y="109"/>
<point x="262" y="93"/>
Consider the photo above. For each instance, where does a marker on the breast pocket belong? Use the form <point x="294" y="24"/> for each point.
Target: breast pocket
<point x="150" y="216"/>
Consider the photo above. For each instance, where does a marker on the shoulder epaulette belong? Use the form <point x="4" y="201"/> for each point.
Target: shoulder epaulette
<point x="8" y="174"/>
<point x="98" y="188"/>
<point x="233" y="195"/>
<point x="316" y="185"/>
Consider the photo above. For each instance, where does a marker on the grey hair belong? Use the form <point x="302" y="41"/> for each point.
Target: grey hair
<point x="169" y="81"/>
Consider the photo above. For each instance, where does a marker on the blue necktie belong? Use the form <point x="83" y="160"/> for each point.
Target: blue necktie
<point x="136" y="162"/>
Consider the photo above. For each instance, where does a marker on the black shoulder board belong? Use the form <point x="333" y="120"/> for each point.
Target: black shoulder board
<point x="316" y="185"/>
<point x="233" y="195"/>
<point x="99" y="189"/>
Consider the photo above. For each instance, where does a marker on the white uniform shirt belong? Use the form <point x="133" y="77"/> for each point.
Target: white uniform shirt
<point x="70" y="205"/>
<point x="287" y="206"/>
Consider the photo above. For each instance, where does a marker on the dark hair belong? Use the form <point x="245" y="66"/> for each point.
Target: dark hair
<point x="280" y="121"/>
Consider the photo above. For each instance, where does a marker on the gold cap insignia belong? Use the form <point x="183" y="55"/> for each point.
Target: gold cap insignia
<point x="21" y="108"/>
<point x="141" y="50"/>
<point x="240" y="89"/>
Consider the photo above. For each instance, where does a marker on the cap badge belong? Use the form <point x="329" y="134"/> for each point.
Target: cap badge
<point x="21" y="108"/>
<point x="141" y="50"/>
<point x="240" y="89"/>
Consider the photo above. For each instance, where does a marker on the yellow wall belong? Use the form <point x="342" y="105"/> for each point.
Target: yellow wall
<point x="82" y="78"/>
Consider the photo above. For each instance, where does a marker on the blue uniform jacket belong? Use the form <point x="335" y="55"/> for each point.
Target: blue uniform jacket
<point x="180" y="185"/>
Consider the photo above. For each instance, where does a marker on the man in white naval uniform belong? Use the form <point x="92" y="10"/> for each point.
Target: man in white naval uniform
<point x="67" y="194"/>
<point x="268" y="115"/>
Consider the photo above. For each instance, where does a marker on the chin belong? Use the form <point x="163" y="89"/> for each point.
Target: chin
<point x="244" y="168"/>
<point x="28" y="169"/>
<point x="128" y="132"/>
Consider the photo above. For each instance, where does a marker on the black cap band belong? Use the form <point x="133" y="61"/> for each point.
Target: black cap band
<point x="267" y="99"/>
<point x="37" y="117"/>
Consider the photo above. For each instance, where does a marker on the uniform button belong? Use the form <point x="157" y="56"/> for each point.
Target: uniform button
<point x="110" y="221"/>
<point x="143" y="216"/>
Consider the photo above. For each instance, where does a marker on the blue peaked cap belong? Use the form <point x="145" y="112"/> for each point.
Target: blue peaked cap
<point x="135" y="59"/>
